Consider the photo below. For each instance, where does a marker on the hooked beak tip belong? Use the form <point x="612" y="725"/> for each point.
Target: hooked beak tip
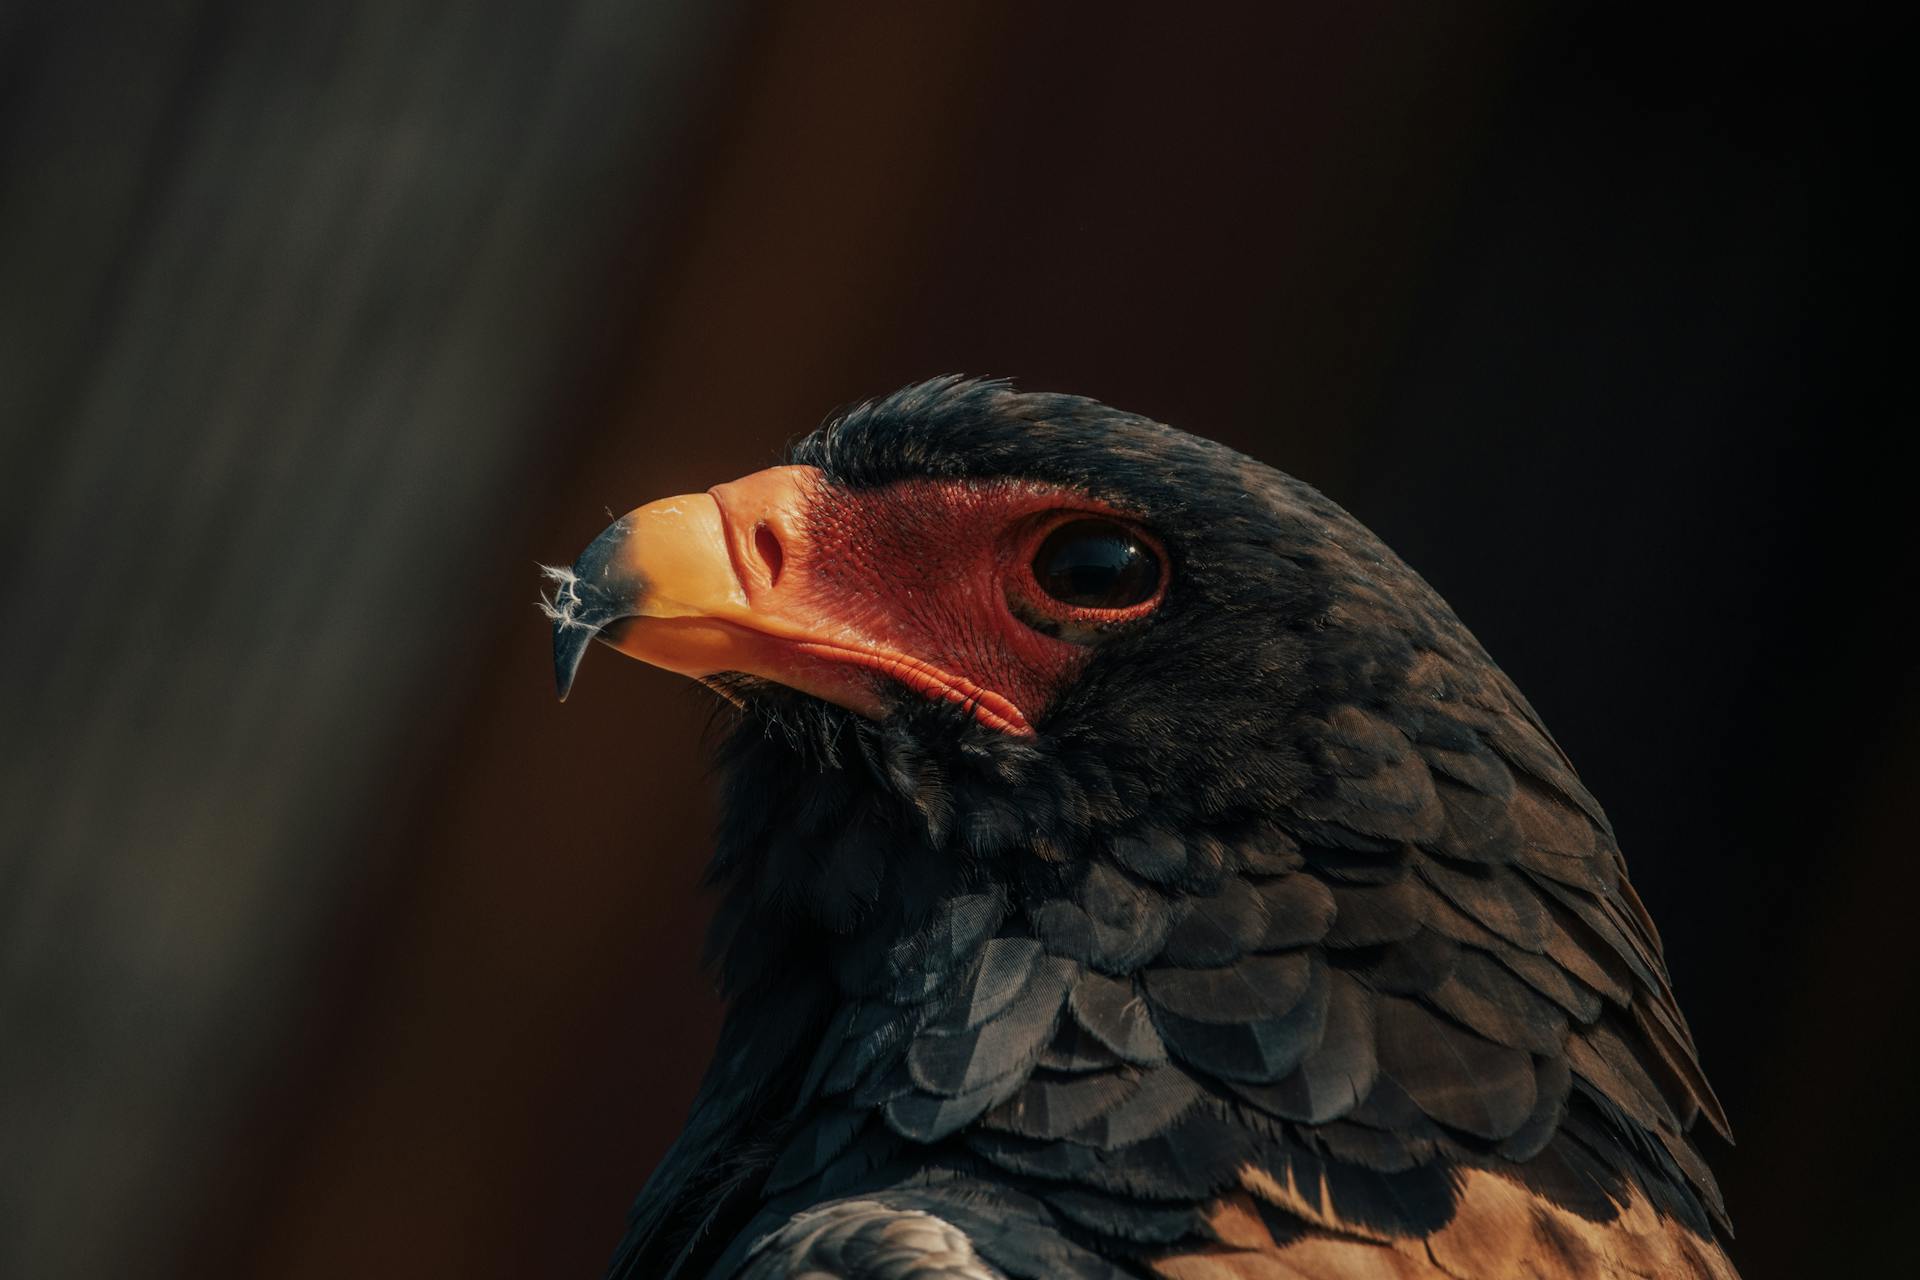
<point x="567" y="653"/>
<point x="584" y="599"/>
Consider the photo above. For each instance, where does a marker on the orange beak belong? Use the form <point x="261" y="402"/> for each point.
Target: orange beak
<point x="698" y="585"/>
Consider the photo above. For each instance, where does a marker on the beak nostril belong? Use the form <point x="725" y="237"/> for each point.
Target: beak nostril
<point x="767" y="544"/>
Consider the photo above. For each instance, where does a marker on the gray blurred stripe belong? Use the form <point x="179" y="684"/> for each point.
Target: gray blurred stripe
<point x="284" y="294"/>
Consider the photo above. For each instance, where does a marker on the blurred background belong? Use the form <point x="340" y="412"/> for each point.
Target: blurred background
<point x="330" y="944"/>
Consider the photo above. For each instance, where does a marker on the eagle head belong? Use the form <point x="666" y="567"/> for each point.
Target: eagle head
<point x="1116" y="831"/>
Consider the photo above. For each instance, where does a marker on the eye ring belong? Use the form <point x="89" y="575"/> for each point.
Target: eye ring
<point x="1096" y="566"/>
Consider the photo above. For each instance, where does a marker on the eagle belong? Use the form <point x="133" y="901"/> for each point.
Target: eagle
<point x="1129" y="867"/>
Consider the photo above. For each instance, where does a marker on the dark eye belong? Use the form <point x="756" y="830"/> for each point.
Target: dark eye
<point x="1096" y="564"/>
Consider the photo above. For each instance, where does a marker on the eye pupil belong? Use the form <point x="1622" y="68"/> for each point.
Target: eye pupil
<point x="1096" y="564"/>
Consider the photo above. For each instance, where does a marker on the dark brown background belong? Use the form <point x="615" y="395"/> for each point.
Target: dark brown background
<point x="334" y="946"/>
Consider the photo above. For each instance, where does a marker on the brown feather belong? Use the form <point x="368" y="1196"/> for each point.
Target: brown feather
<point x="1500" y="1229"/>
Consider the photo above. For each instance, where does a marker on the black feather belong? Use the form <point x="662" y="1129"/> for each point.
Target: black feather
<point x="1469" y="764"/>
<point x="1550" y="980"/>
<point x="1261" y="986"/>
<point x="1265" y="851"/>
<point x="1371" y="1148"/>
<point x="1339" y="855"/>
<point x="1008" y="1039"/>
<point x="1115" y="1014"/>
<point x="1460" y="1079"/>
<point x="1482" y="995"/>
<point x="1199" y="1155"/>
<point x="1414" y="967"/>
<point x="1053" y="1107"/>
<point x="1006" y="966"/>
<point x="1165" y="1095"/>
<point x="929" y="1117"/>
<point x="1569" y="1175"/>
<point x="1260" y="1050"/>
<point x="1074" y="1049"/>
<point x="1131" y="1219"/>
<point x="1551" y="1080"/>
<point x="875" y="1031"/>
<point x="1065" y="930"/>
<point x="1153" y="854"/>
<point x="1338" y="1073"/>
<point x="1128" y="923"/>
<point x="1365" y="915"/>
<point x="818" y="1143"/>
<point x="1299" y="911"/>
<point x="1601" y="1055"/>
<point x="921" y="964"/>
<point x="1495" y="897"/>
<point x="1411" y="1202"/>
<point x="1218" y="928"/>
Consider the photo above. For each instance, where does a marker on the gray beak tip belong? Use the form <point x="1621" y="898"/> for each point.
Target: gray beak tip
<point x="570" y="641"/>
<point x="586" y="598"/>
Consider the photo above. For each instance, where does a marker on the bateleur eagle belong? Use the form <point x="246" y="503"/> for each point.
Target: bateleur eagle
<point x="1129" y="867"/>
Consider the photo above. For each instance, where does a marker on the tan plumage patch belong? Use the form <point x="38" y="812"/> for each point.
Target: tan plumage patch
<point x="1500" y="1230"/>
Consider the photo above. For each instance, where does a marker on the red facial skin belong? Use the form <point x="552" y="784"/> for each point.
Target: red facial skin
<point x="918" y="583"/>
